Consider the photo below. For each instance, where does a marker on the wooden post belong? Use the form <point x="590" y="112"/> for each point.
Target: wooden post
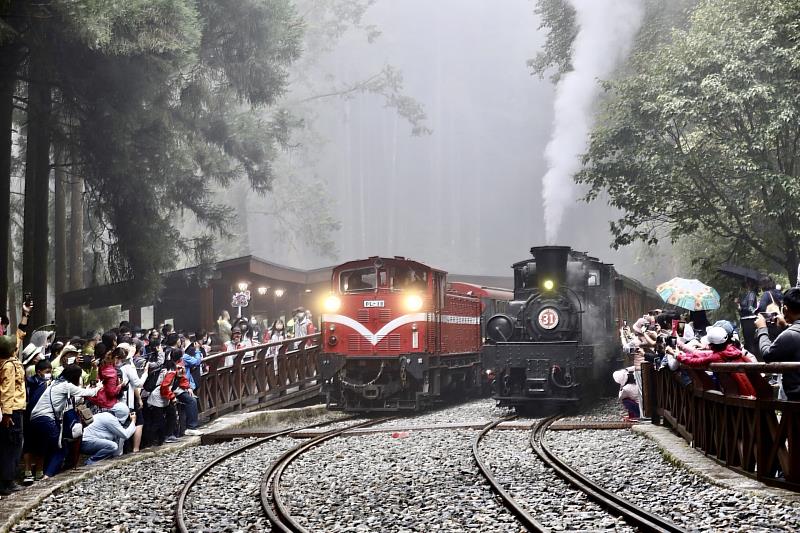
<point x="649" y="400"/>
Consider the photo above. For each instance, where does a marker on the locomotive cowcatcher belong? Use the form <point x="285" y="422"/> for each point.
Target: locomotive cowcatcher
<point x="557" y="341"/>
<point x="396" y="338"/>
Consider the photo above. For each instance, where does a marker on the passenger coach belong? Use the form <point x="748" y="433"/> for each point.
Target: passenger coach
<point x="396" y="337"/>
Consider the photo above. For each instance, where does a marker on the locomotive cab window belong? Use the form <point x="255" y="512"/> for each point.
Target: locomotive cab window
<point x="358" y="280"/>
<point x="593" y="278"/>
<point x="409" y="279"/>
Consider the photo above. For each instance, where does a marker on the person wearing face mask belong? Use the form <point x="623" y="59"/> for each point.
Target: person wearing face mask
<point x="35" y="386"/>
<point x="276" y="334"/>
<point x="236" y="343"/>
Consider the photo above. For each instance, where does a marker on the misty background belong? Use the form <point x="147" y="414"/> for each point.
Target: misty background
<point x="467" y="197"/>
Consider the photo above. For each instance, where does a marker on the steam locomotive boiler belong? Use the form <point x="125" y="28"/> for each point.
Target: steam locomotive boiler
<point x="557" y="340"/>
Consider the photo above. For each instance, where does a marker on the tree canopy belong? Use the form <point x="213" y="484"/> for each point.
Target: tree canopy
<point x="704" y="135"/>
<point x="153" y="102"/>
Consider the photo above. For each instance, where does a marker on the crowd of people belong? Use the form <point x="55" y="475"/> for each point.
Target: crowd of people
<point x="671" y="340"/>
<point x="108" y="394"/>
<point x="244" y="333"/>
<point x="101" y="396"/>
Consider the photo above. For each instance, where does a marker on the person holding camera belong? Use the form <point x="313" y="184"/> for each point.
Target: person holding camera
<point x="721" y="349"/>
<point x="786" y="347"/>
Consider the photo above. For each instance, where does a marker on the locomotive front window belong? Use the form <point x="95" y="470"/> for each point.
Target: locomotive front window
<point x="409" y="279"/>
<point x="359" y="280"/>
<point x="593" y="279"/>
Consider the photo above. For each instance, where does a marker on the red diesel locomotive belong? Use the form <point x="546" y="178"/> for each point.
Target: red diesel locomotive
<point x="396" y="337"/>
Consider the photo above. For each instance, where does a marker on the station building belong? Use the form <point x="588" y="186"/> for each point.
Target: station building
<point x="193" y="298"/>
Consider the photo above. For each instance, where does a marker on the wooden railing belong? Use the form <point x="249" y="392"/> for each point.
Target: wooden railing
<point x="252" y="379"/>
<point x="757" y="436"/>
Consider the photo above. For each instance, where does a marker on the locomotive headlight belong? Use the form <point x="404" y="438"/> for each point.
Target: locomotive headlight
<point x="413" y="302"/>
<point x="332" y="304"/>
<point x="548" y="284"/>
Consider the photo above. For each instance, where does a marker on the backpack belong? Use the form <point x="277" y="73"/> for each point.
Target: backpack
<point x="151" y="382"/>
<point x="71" y="426"/>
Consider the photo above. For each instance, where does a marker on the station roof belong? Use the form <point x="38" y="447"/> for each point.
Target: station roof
<point x="115" y="293"/>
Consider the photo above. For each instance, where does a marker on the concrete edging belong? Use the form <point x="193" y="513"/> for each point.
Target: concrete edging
<point x="677" y="451"/>
<point x="15" y="508"/>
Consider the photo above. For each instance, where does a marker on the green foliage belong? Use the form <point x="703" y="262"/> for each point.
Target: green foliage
<point x="558" y="19"/>
<point x="158" y="101"/>
<point x="704" y="136"/>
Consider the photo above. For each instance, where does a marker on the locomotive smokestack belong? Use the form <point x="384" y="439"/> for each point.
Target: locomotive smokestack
<point x="551" y="266"/>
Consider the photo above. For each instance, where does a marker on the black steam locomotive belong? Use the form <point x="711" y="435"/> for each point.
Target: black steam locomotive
<point x="558" y="340"/>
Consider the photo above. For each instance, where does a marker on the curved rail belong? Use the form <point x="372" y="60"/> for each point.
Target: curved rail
<point x="632" y="514"/>
<point x="530" y="523"/>
<point x="271" y="500"/>
<point x="180" y="507"/>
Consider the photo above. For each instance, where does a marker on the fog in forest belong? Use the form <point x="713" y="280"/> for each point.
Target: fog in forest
<point x="468" y="196"/>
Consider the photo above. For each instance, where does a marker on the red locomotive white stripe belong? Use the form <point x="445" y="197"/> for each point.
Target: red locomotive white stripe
<point x="376" y="337"/>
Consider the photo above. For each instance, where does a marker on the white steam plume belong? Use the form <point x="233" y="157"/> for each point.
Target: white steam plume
<point x="605" y="34"/>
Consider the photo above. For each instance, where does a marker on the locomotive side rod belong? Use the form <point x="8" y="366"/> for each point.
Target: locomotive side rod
<point x="633" y="514"/>
<point x="527" y="520"/>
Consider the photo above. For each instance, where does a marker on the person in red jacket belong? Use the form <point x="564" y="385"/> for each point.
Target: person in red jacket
<point x="112" y="383"/>
<point x="721" y="350"/>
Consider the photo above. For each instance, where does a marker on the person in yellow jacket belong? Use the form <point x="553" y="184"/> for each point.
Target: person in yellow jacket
<point x="12" y="406"/>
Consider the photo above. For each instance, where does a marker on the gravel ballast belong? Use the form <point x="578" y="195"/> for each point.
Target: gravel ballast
<point x="633" y="467"/>
<point x="227" y="498"/>
<point x="138" y="496"/>
<point x="424" y="482"/>
<point x="553" y="502"/>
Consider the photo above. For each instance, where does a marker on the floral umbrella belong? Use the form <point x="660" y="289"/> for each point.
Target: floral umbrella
<point x="689" y="294"/>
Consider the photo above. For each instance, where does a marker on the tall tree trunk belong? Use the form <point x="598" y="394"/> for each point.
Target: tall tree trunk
<point x="12" y="286"/>
<point x="8" y="81"/>
<point x="60" y="228"/>
<point x="76" y="274"/>
<point x="76" y="279"/>
<point x="37" y="192"/>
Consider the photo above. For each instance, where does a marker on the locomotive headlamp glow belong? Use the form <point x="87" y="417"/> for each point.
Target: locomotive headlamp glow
<point x="548" y="284"/>
<point x="413" y="302"/>
<point x="332" y="304"/>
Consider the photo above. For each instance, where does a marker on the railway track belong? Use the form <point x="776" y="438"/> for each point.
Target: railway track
<point x="181" y="524"/>
<point x="525" y="518"/>
<point x="272" y="501"/>
<point x="634" y="515"/>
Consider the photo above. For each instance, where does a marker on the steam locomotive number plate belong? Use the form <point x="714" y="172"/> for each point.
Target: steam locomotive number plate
<point x="373" y="303"/>
<point x="548" y="318"/>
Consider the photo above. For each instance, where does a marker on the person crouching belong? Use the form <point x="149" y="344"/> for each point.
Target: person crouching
<point x="106" y="435"/>
<point x="628" y="392"/>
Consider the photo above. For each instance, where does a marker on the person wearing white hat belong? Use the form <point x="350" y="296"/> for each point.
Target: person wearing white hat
<point x="628" y="392"/>
<point x="721" y="350"/>
<point x="68" y="356"/>
<point x="31" y="355"/>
